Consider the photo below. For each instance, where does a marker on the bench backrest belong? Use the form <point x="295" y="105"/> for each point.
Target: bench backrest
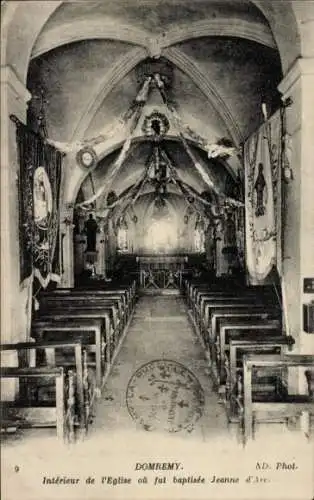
<point x="301" y="360"/>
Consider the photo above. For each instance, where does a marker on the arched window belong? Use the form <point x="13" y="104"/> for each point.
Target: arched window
<point x="122" y="240"/>
<point x="199" y="240"/>
<point x="162" y="236"/>
<point x="199" y="236"/>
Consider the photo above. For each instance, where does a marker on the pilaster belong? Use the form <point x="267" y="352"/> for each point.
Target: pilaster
<point x="298" y="219"/>
<point x="15" y="300"/>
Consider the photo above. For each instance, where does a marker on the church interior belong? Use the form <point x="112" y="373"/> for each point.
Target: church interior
<point x="157" y="223"/>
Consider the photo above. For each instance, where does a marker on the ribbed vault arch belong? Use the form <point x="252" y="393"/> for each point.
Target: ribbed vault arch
<point x="121" y="68"/>
<point x="187" y="65"/>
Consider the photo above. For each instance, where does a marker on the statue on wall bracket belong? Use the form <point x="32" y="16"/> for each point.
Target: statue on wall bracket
<point x="91" y="228"/>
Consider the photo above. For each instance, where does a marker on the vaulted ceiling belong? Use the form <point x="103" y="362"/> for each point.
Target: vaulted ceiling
<point x="221" y="54"/>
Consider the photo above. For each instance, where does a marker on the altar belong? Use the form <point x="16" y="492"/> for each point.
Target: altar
<point x="161" y="271"/>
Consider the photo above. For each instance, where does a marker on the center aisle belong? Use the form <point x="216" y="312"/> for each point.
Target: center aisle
<point x="159" y="330"/>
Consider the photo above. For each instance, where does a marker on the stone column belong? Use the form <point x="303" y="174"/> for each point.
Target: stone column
<point x="16" y="299"/>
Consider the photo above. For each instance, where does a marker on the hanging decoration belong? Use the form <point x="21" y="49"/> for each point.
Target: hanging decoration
<point x="262" y="168"/>
<point x="39" y="189"/>
<point x="132" y="118"/>
<point x="156" y="125"/>
<point x="173" y="116"/>
<point x="87" y="157"/>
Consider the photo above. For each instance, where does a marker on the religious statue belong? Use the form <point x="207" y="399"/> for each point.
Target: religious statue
<point x="259" y="187"/>
<point x="91" y="228"/>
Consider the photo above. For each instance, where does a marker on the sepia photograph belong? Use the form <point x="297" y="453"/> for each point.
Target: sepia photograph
<point x="157" y="250"/>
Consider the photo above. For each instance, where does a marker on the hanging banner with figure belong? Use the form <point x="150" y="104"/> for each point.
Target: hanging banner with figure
<point x="39" y="192"/>
<point x="262" y="152"/>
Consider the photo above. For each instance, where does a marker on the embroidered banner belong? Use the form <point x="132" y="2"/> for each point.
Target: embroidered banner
<point x="26" y="144"/>
<point x="262" y="154"/>
<point x="39" y="190"/>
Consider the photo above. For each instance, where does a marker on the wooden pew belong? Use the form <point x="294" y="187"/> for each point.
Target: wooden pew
<point x="77" y="362"/>
<point x="65" y="314"/>
<point x="61" y="314"/>
<point x="204" y="300"/>
<point x="236" y="327"/>
<point x="209" y="323"/>
<point x="114" y="329"/>
<point x="203" y="316"/>
<point x="228" y="288"/>
<point x="257" y="409"/>
<point x="69" y="302"/>
<point x="58" y="328"/>
<point x="236" y="312"/>
<point x="124" y="293"/>
<point x="61" y="414"/>
<point x="120" y="300"/>
<point x="248" y="344"/>
<point x="128" y="284"/>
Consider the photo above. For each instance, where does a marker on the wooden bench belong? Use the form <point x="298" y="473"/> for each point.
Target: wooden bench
<point x="58" y="328"/>
<point x="115" y="329"/>
<point x="239" y="310"/>
<point x="121" y="295"/>
<point x="77" y="362"/>
<point x="61" y="414"/>
<point x="64" y="314"/>
<point x="236" y="327"/>
<point x="129" y="285"/>
<point x="280" y="408"/>
<point x="209" y="299"/>
<point x="219" y="307"/>
<point x="61" y="314"/>
<point x="248" y="344"/>
<point x="203" y="318"/>
<point x="70" y="302"/>
<point x="210" y="335"/>
<point x="94" y="294"/>
<point x="195" y="291"/>
<point x="235" y="312"/>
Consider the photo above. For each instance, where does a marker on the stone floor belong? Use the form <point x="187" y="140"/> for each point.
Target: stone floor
<point x="160" y="330"/>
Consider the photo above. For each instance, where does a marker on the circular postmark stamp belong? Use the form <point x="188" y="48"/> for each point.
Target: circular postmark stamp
<point x="165" y="395"/>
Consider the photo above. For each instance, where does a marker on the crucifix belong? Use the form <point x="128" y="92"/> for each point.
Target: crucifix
<point x="259" y="187"/>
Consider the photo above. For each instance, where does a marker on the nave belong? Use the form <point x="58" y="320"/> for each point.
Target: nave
<point x="164" y="339"/>
<point x="160" y="330"/>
